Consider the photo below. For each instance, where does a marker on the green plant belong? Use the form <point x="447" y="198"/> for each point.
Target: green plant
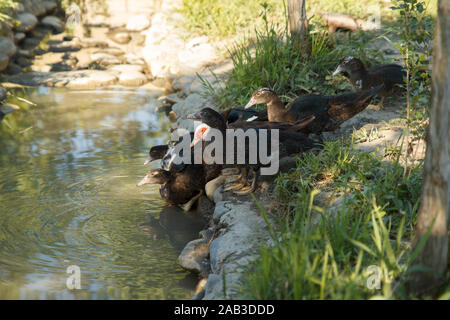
<point x="324" y="251"/>
<point x="6" y="7"/>
<point x="415" y="49"/>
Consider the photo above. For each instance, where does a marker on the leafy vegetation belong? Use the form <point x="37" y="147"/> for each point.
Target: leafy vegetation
<point x="323" y="249"/>
<point x="5" y="11"/>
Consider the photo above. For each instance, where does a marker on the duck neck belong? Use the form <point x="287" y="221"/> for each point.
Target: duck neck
<point x="275" y="108"/>
<point x="359" y="75"/>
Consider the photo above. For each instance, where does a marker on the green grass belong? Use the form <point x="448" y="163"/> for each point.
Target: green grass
<point x="226" y="18"/>
<point x="330" y="258"/>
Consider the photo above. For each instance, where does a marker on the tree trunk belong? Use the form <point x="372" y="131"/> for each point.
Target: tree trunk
<point x="435" y="201"/>
<point x="298" y="23"/>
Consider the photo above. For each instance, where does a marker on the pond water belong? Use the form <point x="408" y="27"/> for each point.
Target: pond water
<point x="68" y="196"/>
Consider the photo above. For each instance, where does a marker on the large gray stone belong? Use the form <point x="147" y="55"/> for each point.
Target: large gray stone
<point x="4" y="60"/>
<point x="18" y="37"/>
<point x="49" y="5"/>
<point x="121" y="68"/>
<point x="7" y="46"/>
<point x="132" y="78"/>
<point x="54" y="23"/>
<point x="194" y="257"/>
<point x="27" y="21"/>
<point x="105" y="58"/>
<point x="138" y="23"/>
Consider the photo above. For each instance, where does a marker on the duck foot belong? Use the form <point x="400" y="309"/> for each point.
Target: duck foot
<point x="234" y="186"/>
<point x="249" y="189"/>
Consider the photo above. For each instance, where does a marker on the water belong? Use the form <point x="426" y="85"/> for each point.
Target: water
<point x="68" y="196"/>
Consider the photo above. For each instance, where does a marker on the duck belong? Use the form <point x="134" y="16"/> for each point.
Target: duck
<point x="390" y="75"/>
<point x="177" y="188"/>
<point x="241" y="114"/>
<point x="156" y="153"/>
<point x="289" y="143"/>
<point x="328" y="111"/>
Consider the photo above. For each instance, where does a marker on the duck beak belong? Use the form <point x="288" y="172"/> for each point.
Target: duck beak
<point x="337" y="71"/>
<point x="194" y="116"/>
<point x="250" y="104"/>
<point x="148" y="160"/>
<point x="194" y="142"/>
<point x="145" y="180"/>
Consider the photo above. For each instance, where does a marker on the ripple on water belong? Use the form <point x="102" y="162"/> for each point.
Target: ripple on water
<point x="68" y="196"/>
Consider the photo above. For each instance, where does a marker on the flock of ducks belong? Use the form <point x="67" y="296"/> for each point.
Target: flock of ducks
<point x="182" y="184"/>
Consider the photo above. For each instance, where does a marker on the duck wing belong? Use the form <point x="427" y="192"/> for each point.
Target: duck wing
<point x="391" y="73"/>
<point x="345" y="106"/>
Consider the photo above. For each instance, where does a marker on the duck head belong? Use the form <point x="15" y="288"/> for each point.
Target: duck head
<point x="349" y="65"/>
<point x="201" y="133"/>
<point x="155" y="176"/>
<point x="156" y="153"/>
<point x="210" y="119"/>
<point x="261" y="95"/>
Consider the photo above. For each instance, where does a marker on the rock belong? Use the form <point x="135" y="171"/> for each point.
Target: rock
<point x="132" y="78"/>
<point x="173" y="98"/>
<point x="138" y="23"/>
<point x="7" y="47"/>
<point x="112" y="51"/>
<point x="220" y="210"/>
<point x="65" y="46"/>
<point x="153" y="91"/>
<point x="30" y="43"/>
<point x="213" y="285"/>
<point x="192" y="103"/>
<point x="165" y="84"/>
<point x="162" y="57"/>
<point x="105" y="59"/>
<point x="20" y="8"/>
<point x="23" y="53"/>
<point x="213" y="185"/>
<point x="54" y="23"/>
<point x="18" y="37"/>
<point x="197" y="54"/>
<point x="4" y="60"/>
<point x="183" y="83"/>
<point x="13" y="69"/>
<point x="80" y="79"/>
<point x="198" y="296"/>
<point x="134" y="59"/>
<point x="194" y="257"/>
<point x="27" y="21"/>
<point x="3" y="93"/>
<point x="121" y="37"/>
<point x="121" y="68"/>
<point x="93" y="43"/>
<point x="49" y="5"/>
